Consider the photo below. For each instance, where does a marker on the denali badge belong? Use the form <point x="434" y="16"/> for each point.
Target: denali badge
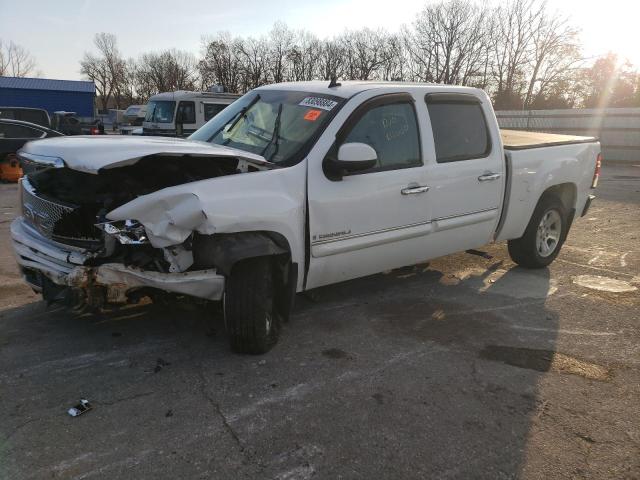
<point x="325" y="236"/>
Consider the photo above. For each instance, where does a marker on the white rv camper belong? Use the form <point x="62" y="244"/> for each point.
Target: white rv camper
<point x="179" y="114"/>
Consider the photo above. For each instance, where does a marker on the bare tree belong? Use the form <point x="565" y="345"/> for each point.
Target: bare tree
<point x="105" y="68"/>
<point x="280" y="42"/>
<point x="125" y="89"/>
<point x="393" y="56"/>
<point x="446" y="42"/>
<point x="167" y="71"/>
<point x="556" y="53"/>
<point x="363" y="53"/>
<point x="303" y="57"/>
<point x="221" y="64"/>
<point x="517" y="51"/>
<point x="254" y="57"/>
<point x="15" y="60"/>
<point x="331" y="60"/>
<point x="512" y="48"/>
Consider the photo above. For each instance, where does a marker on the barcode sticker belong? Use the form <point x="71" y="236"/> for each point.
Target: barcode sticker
<point x="318" y="102"/>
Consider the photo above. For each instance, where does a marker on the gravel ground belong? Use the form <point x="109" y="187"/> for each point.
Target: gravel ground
<point x="465" y="367"/>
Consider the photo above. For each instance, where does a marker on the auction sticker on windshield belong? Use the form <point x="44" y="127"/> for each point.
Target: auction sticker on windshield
<point x="312" y="115"/>
<point x="318" y="102"/>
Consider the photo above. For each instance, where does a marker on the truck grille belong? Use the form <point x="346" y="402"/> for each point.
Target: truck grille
<point x="56" y="220"/>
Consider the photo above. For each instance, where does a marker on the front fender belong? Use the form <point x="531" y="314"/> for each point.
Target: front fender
<point x="268" y="201"/>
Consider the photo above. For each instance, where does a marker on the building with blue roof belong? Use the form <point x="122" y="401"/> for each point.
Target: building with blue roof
<point x="51" y="95"/>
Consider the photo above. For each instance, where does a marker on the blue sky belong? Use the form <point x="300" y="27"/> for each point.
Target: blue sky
<point x="58" y="32"/>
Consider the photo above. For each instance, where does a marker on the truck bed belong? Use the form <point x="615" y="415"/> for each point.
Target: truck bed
<point x="521" y="140"/>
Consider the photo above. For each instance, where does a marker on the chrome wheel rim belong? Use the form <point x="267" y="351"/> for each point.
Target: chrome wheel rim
<point x="548" y="234"/>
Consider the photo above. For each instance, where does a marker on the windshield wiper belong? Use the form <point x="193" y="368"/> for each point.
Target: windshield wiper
<point x="274" y="137"/>
<point x="242" y="113"/>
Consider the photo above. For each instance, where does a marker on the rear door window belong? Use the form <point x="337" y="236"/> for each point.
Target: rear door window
<point x="459" y="127"/>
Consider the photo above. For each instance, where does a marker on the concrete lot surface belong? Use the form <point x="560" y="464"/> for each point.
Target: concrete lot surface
<point x="443" y="370"/>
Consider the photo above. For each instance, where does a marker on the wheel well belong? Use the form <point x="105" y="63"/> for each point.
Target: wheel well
<point x="223" y="251"/>
<point x="566" y="192"/>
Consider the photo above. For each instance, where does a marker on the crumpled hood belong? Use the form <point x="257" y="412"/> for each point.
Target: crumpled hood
<point x="92" y="153"/>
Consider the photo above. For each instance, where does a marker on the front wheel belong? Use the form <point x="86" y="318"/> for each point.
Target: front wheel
<point x="543" y="237"/>
<point x="252" y="324"/>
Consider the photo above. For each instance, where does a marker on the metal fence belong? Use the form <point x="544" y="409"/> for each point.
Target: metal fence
<point x="617" y="128"/>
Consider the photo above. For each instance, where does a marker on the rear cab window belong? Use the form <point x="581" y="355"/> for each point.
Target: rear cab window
<point x="460" y="130"/>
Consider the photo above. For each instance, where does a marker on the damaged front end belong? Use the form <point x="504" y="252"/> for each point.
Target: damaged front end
<point x="72" y="248"/>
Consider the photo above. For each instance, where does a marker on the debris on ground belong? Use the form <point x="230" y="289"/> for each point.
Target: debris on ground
<point x="160" y="363"/>
<point x="82" y="407"/>
<point x="479" y="253"/>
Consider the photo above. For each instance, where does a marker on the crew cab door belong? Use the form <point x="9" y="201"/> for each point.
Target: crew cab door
<point x="466" y="171"/>
<point x="369" y="221"/>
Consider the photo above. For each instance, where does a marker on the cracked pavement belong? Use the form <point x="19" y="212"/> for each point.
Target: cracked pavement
<point x="465" y="367"/>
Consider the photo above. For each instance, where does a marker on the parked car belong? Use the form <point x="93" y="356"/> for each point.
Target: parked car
<point x="13" y="135"/>
<point x="32" y="115"/>
<point x="134" y="114"/>
<point x="179" y="114"/>
<point x="293" y="187"/>
<point x="134" y="117"/>
<point x="68" y="123"/>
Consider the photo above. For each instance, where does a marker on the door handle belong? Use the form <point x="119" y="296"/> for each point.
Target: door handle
<point x="487" y="177"/>
<point x="414" y="189"/>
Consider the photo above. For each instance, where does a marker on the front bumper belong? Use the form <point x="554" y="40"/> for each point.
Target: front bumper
<point x="65" y="266"/>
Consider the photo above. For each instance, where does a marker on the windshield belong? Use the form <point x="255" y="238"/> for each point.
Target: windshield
<point x="279" y="125"/>
<point x="160" y="111"/>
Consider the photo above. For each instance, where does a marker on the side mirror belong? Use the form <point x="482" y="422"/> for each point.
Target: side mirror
<point x="352" y="157"/>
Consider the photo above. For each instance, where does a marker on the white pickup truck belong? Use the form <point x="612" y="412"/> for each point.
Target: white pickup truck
<point x="293" y="187"/>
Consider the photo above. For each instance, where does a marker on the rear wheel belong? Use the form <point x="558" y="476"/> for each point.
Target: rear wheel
<point x="544" y="235"/>
<point x="251" y="321"/>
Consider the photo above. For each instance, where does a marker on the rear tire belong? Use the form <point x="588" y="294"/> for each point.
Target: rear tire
<point x="252" y="323"/>
<point x="544" y="235"/>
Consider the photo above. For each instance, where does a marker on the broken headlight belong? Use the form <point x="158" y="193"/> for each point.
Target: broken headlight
<point x="127" y="232"/>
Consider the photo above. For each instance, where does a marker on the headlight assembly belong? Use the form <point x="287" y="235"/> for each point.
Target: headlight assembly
<point x="127" y="232"/>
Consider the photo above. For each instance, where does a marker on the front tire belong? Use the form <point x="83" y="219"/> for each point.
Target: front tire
<point x="252" y="323"/>
<point x="544" y="235"/>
